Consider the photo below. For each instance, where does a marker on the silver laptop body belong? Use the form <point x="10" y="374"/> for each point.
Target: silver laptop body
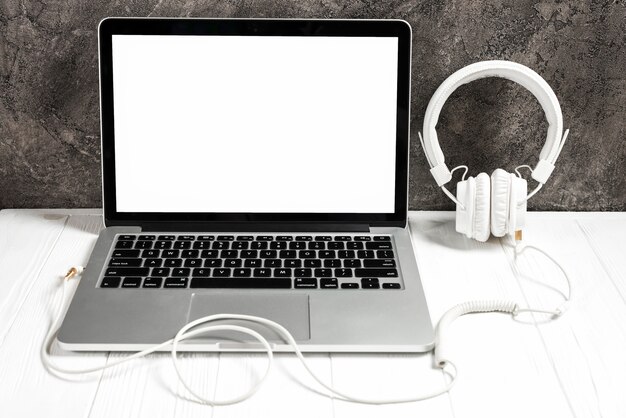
<point x="253" y="167"/>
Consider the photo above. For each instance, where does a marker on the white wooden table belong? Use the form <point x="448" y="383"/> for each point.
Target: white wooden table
<point x="575" y="366"/>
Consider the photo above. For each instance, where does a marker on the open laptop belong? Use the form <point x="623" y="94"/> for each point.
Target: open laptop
<point x="254" y="167"/>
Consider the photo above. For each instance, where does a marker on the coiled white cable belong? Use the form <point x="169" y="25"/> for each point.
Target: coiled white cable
<point x="189" y="331"/>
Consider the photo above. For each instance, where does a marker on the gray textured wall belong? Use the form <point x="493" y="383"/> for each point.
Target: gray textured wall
<point x="49" y="134"/>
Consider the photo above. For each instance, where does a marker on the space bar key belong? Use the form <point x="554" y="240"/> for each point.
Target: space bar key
<point x="238" y="283"/>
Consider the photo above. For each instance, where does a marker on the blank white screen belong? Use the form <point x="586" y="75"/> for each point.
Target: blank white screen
<point x="255" y="123"/>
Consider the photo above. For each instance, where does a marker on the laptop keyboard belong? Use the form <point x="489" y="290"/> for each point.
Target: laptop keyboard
<point x="252" y="262"/>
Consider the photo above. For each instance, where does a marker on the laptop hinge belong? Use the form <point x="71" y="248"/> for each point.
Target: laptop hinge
<point x="253" y="227"/>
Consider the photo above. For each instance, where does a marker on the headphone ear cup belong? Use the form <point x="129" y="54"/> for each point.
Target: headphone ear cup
<point x="519" y="190"/>
<point x="500" y="202"/>
<point x="482" y="208"/>
<point x="473" y="221"/>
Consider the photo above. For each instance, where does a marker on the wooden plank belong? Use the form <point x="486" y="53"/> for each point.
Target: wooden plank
<point x="289" y="391"/>
<point x="26" y="388"/>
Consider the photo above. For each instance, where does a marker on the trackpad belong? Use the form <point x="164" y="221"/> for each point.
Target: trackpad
<point x="289" y="310"/>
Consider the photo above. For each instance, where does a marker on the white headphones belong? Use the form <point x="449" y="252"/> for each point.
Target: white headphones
<point x="494" y="205"/>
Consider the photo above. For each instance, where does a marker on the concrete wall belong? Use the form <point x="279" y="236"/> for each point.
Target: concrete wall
<point x="49" y="127"/>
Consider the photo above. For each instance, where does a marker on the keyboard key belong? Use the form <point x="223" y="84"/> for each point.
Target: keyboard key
<point x="160" y="272"/>
<point x="268" y="254"/>
<point x="313" y="263"/>
<point x="249" y="254"/>
<point x="384" y="254"/>
<point x="182" y="245"/>
<point x="354" y="245"/>
<point x="206" y="238"/>
<point x="332" y="262"/>
<point x="240" y="283"/>
<point x="131" y="282"/>
<point x="163" y="245"/>
<point x="127" y="237"/>
<point x="278" y="245"/>
<point x="284" y="238"/>
<point x="209" y="254"/>
<point x="316" y="245"/>
<point x="327" y="254"/>
<point x="228" y="253"/>
<point x="125" y="262"/>
<point x="213" y="262"/>
<point x="175" y="282"/>
<point x="282" y="272"/>
<point x="265" y="238"/>
<point x="382" y="238"/>
<point x="323" y="272"/>
<point x="167" y="237"/>
<point x="346" y="254"/>
<point x="328" y="283"/>
<point x="153" y="262"/>
<point x="264" y="272"/>
<point x="306" y="254"/>
<point x="126" y="253"/>
<point x="153" y="282"/>
<point x="304" y="238"/>
<point x="245" y="238"/>
<point x="362" y="238"/>
<point x="242" y="272"/>
<point x="201" y="272"/>
<point x="391" y="285"/>
<point x="256" y="245"/>
<point x="349" y="285"/>
<point x="193" y="262"/>
<point x="147" y="237"/>
<point x="287" y="254"/>
<point x="343" y="272"/>
<point x="110" y="282"/>
<point x="378" y="245"/>
<point x="221" y="245"/>
<point x="273" y="262"/>
<point x="201" y="245"/>
<point x="376" y="272"/>
<point x="378" y="263"/>
<point x="370" y="283"/>
<point x="365" y="254"/>
<point x="304" y="272"/>
<point x="189" y="253"/>
<point x="240" y="245"/>
<point x="221" y="272"/>
<point x="343" y="238"/>
<point x="186" y="238"/>
<point x="225" y="238"/>
<point x="253" y="262"/>
<point x="301" y="283"/>
<point x="143" y="245"/>
<point x="336" y="245"/>
<point x="323" y="238"/>
<point x="181" y="272"/>
<point x="150" y="253"/>
<point x="126" y="271"/>
<point x="297" y="245"/>
<point x="233" y="262"/>
<point x="351" y="263"/>
<point x="173" y="262"/>
<point x="293" y="263"/>
<point x="124" y="244"/>
<point x="170" y="254"/>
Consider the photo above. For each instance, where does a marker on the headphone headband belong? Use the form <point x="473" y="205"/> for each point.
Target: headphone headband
<point x="511" y="71"/>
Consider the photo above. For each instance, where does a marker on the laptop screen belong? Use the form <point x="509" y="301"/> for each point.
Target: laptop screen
<point x="255" y="124"/>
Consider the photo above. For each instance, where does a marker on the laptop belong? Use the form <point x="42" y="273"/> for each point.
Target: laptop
<point x="253" y="167"/>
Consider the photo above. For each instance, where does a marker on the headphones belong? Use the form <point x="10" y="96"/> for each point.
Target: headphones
<point x="493" y="204"/>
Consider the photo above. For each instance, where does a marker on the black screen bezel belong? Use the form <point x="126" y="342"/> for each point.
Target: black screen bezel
<point x="254" y="27"/>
